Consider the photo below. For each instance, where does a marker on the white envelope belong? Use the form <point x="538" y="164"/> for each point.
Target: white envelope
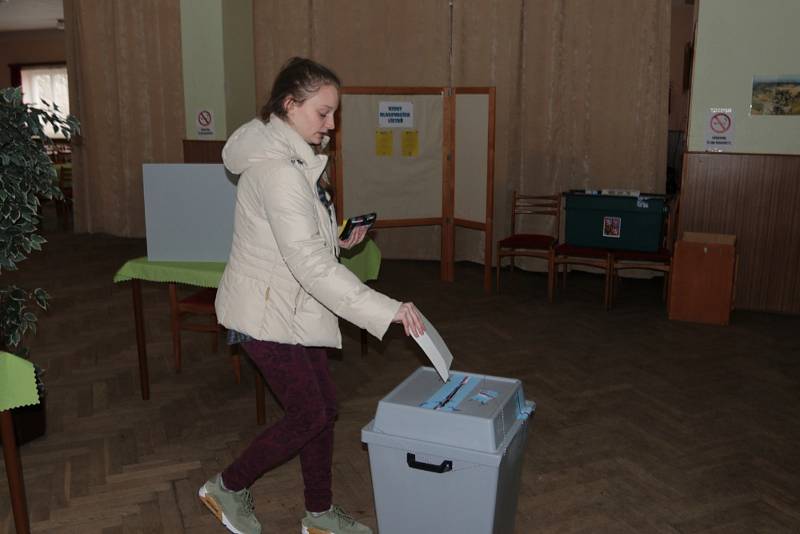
<point x="435" y="349"/>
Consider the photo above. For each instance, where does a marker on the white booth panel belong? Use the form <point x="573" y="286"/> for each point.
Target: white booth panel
<point x="189" y="211"/>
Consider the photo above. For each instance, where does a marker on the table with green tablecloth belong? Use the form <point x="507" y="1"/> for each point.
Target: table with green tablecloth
<point x="17" y="389"/>
<point x="364" y="261"/>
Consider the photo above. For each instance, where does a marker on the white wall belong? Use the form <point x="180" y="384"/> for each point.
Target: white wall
<point x="203" y="66"/>
<point x="736" y="40"/>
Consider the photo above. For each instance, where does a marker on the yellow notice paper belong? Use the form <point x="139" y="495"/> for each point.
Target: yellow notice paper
<point x="384" y="141"/>
<point x="410" y="143"/>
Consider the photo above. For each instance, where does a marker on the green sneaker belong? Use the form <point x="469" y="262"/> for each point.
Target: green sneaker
<point x="334" y="521"/>
<point x="233" y="508"/>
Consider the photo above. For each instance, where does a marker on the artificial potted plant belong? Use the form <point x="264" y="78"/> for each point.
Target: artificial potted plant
<point x="27" y="175"/>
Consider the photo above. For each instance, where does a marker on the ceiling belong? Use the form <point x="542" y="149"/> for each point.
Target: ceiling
<point x="16" y="15"/>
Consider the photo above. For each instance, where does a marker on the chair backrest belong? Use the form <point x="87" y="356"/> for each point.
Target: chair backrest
<point x="547" y="205"/>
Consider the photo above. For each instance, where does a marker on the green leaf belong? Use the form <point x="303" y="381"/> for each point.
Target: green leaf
<point x="41" y="297"/>
<point x="18" y="294"/>
<point x="14" y="338"/>
<point x="27" y="175"/>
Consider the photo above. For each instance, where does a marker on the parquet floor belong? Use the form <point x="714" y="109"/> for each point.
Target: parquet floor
<point x="643" y="425"/>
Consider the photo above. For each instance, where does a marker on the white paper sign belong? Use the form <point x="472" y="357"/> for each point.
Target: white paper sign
<point x="719" y="129"/>
<point x="204" y="120"/>
<point x="395" y="114"/>
<point x="435" y="349"/>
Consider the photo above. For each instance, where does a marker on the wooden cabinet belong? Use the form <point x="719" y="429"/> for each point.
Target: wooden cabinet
<point x="703" y="274"/>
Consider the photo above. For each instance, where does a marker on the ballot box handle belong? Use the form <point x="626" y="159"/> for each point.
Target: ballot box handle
<point x="444" y="467"/>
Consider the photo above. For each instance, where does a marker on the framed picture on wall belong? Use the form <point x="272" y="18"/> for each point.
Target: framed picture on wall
<point x="775" y="95"/>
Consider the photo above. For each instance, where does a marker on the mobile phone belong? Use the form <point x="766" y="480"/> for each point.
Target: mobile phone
<point x="367" y="220"/>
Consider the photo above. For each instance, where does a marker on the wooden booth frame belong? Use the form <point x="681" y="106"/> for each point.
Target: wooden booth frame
<point x="447" y="221"/>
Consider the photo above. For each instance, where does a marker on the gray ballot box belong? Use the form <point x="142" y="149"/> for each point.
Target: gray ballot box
<point x="446" y="458"/>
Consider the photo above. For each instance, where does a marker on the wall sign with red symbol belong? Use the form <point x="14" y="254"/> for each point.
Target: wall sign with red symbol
<point x="204" y="120"/>
<point x="719" y="129"/>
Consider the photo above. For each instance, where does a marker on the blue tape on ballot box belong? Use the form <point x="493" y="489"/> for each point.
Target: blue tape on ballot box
<point x="459" y="387"/>
<point x="452" y="393"/>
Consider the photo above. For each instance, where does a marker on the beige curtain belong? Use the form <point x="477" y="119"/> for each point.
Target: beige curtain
<point x="487" y="51"/>
<point x="124" y="61"/>
<point x="582" y="89"/>
<point x="582" y="85"/>
<point x="367" y="42"/>
<point x="596" y="82"/>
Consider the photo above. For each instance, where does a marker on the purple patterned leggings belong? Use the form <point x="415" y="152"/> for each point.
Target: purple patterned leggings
<point x="300" y="379"/>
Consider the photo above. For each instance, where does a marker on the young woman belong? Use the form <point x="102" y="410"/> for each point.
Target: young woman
<point x="283" y="289"/>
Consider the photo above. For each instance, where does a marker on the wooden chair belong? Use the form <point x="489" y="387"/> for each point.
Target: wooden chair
<point x="531" y="245"/>
<point x="565" y="255"/>
<point x="199" y="303"/>
<point x="660" y="260"/>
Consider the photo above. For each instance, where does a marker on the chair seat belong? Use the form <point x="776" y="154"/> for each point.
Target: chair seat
<point x="662" y="255"/>
<point x="532" y="241"/>
<point x="565" y="249"/>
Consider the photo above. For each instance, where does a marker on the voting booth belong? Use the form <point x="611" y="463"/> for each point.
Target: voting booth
<point x="447" y="457"/>
<point x="419" y="157"/>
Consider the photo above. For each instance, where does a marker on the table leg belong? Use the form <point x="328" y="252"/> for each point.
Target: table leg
<point x="16" y="485"/>
<point x="174" y="318"/>
<point x="141" y="346"/>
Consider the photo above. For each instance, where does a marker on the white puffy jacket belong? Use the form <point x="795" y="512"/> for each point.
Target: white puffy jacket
<point x="283" y="281"/>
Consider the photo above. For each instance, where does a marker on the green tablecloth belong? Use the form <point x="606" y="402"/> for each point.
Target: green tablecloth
<point x="17" y="382"/>
<point x="196" y="273"/>
<point x="364" y="261"/>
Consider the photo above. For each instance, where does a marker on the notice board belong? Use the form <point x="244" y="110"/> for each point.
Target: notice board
<point x="419" y="156"/>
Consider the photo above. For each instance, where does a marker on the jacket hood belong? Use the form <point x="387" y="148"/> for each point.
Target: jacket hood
<point x="257" y="142"/>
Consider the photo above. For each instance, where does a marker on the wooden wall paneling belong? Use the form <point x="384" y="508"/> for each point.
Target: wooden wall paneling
<point x="756" y="198"/>
<point x="198" y="151"/>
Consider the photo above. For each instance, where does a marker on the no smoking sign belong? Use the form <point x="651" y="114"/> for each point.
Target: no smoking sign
<point x="720" y="123"/>
<point x="719" y="129"/>
<point x="204" y="120"/>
